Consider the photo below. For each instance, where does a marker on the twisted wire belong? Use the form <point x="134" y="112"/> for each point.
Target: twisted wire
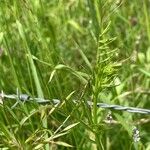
<point x="25" y="97"/>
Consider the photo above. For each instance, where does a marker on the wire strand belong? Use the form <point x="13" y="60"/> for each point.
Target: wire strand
<point x="25" y="97"/>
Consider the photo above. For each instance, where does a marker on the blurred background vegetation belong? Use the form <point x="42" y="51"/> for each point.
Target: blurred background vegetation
<point x="96" y="50"/>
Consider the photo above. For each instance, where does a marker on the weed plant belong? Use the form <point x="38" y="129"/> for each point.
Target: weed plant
<point x="95" y="50"/>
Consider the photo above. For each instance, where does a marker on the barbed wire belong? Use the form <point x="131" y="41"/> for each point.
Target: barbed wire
<point x="25" y="97"/>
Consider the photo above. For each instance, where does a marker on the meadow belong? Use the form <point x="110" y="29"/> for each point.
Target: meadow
<point x="83" y="50"/>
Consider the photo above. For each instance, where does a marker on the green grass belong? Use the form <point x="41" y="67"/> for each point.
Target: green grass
<point x="94" y="50"/>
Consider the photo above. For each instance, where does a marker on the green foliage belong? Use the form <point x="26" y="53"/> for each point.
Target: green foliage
<point x="94" y="50"/>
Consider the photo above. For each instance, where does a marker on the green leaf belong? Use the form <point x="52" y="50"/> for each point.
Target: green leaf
<point x="148" y="55"/>
<point x="63" y="144"/>
<point x="144" y="72"/>
<point x="52" y="75"/>
<point x="27" y="117"/>
<point x="39" y="146"/>
<point x="1" y="36"/>
<point x="13" y="115"/>
<point x="43" y="62"/>
<point x="85" y="59"/>
<point x="70" y="126"/>
<point x="55" y="136"/>
<point x="70" y="95"/>
<point x="79" y="75"/>
<point x="20" y="29"/>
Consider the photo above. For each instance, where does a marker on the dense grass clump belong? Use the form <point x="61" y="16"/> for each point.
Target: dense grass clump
<point x="92" y="50"/>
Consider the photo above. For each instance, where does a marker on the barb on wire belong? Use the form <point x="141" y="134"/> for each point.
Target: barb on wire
<point x="25" y="97"/>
